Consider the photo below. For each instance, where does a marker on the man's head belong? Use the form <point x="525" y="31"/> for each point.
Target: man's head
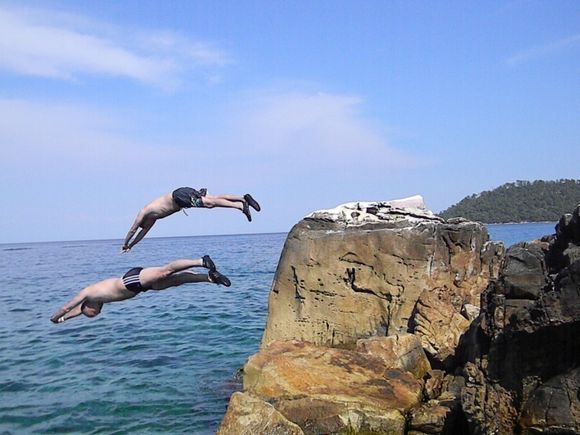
<point x="91" y="309"/>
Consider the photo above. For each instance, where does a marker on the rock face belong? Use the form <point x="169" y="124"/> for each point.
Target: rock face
<point x="388" y="320"/>
<point x="326" y="390"/>
<point x="248" y="415"/>
<point x="376" y="259"/>
<point x="525" y="374"/>
<point x="402" y="351"/>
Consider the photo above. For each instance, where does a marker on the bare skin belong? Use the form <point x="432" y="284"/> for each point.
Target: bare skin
<point x="165" y="206"/>
<point x="90" y="300"/>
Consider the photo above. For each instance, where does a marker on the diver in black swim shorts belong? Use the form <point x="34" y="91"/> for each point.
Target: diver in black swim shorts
<point x="90" y="300"/>
<point x="179" y="199"/>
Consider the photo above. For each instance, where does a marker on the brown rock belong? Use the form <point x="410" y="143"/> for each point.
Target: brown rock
<point x="488" y="407"/>
<point x="316" y="416"/>
<point x="331" y="272"/>
<point x="325" y="389"/>
<point x="401" y="351"/>
<point x="248" y="415"/>
<point x="554" y="407"/>
<point x="434" y="418"/>
<point x="439" y="323"/>
<point x="434" y="384"/>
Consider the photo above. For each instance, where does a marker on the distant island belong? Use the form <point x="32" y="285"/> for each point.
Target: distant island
<point x="521" y="201"/>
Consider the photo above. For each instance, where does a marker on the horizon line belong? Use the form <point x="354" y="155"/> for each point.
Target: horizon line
<point x="148" y="238"/>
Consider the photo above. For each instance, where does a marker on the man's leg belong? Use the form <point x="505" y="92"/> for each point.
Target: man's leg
<point x="150" y="275"/>
<point x="226" y="201"/>
<point x="178" y="279"/>
<point x="237" y="202"/>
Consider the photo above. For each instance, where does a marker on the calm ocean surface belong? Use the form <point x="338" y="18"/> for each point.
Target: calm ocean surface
<point x="161" y="362"/>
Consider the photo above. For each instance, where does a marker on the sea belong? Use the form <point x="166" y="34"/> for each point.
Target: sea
<point x="162" y="362"/>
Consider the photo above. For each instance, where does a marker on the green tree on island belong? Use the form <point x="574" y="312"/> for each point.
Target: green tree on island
<point x="520" y="201"/>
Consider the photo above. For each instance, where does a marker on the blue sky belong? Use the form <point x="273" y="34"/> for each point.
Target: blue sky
<point x="105" y="105"/>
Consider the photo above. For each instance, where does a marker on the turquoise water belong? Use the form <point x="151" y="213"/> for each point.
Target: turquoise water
<point x="161" y="362"/>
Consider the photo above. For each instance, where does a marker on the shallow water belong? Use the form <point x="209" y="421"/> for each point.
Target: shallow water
<point x="161" y="362"/>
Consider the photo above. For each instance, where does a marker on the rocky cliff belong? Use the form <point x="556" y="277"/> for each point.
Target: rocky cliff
<point x="523" y="358"/>
<point x="376" y="269"/>
<point x="383" y="318"/>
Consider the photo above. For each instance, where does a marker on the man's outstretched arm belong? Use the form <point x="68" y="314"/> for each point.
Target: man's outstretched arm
<point x="58" y="316"/>
<point x="136" y="224"/>
<point x="144" y="230"/>
<point x="76" y="311"/>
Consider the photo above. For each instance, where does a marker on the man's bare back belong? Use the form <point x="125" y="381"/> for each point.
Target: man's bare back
<point x="90" y="300"/>
<point x="183" y="197"/>
<point x="160" y="208"/>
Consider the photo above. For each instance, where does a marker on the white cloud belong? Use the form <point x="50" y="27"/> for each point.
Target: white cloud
<point x="63" y="46"/>
<point x="57" y="139"/>
<point x="544" y="50"/>
<point x="301" y="130"/>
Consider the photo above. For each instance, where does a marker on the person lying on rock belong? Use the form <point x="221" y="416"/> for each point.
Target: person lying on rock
<point x="90" y="300"/>
<point x="184" y="197"/>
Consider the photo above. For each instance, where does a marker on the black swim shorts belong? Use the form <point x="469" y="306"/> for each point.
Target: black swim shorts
<point x="187" y="197"/>
<point x="132" y="282"/>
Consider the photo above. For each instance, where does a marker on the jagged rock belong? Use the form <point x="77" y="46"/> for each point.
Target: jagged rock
<point x="248" y="415"/>
<point x="565" y="249"/>
<point x="433" y="418"/>
<point x="470" y="312"/>
<point x="433" y="384"/>
<point x="337" y="264"/>
<point x="489" y="408"/>
<point x="562" y="305"/>
<point x="326" y="390"/>
<point x="554" y="407"/>
<point x="401" y="351"/>
<point x="318" y="416"/>
<point x="439" y="324"/>
<point x="524" y="273"/>
<point x="442" y="415"/>
<point x="528" y="352"/>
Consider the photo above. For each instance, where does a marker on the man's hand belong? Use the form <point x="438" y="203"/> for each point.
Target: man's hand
<point x="58" y="317"/>
<point x="125" y="249"/>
